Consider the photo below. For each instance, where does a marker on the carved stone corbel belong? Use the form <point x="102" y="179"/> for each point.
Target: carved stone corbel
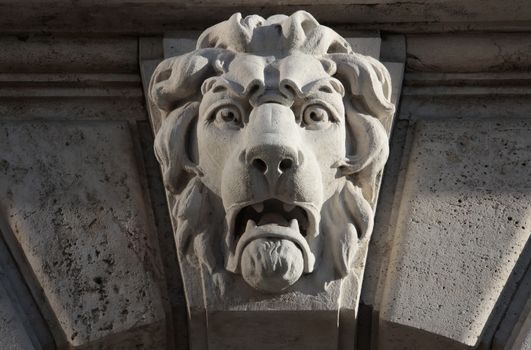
<point x="273" y="137"/>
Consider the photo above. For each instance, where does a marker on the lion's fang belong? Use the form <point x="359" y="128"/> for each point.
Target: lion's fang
<point x="294" y="225"/>
<point x="250" y="225"/>
<point x="259" y="207"/>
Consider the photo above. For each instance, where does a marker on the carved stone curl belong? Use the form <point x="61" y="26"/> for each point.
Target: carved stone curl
<point x="272" y="143"/>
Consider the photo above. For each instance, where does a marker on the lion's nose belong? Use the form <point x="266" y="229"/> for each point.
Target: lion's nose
<point x="273" y="160"/>
<point x="272" y="142"/>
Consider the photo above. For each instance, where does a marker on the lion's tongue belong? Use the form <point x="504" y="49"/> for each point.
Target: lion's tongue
<point x="273" y="218"/>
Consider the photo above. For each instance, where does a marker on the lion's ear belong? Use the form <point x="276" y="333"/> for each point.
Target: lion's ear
<point x="367" y="107"/>
<point x="172" y="147"/>
<point x="176" y="81"/>
<point x="369" y="83"/>
<point x="179" y="79"/>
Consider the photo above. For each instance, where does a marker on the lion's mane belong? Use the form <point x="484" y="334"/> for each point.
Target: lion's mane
<point x="175" y="91"/>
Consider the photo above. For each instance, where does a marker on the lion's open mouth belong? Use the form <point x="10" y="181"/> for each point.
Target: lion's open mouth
<point x="272" y="220"/>
<point x="271" y="211"/>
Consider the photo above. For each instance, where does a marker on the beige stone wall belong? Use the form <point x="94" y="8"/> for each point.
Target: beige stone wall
<point x="451" y="254"/>
<point x="86" y="247"/>
<point x="78" y="198"/>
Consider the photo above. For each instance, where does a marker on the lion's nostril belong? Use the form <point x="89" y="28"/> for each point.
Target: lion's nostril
<point x="260" y="165"/>
<point x="272" y="160"/>
<point x="285" y="165"/>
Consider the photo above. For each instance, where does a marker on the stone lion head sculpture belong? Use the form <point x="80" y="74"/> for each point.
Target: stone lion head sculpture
<point x="271" y="142"/>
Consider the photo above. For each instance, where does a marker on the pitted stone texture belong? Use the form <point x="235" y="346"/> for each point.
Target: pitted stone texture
<point x="12" y="332"/>
<point x="72" y="196"/>
<point x="464" y="219"/>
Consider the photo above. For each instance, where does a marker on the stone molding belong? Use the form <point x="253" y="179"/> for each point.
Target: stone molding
<point x="155" y="17"/>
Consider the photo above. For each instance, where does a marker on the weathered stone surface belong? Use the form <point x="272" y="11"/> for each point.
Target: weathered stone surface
<point x="21" y="323"/>
<point x="471" y="53"/>
<point x="468" y="95"/>
<point x="70" y="77"/>
<point x="463" y="221"/>
<point x="73" y="199"/>
<point x="313" y="332"/>
<point x="73" y="107"/>
<point x="68" y="54"/>
<point x="12" y="332"/>
<point x="148" y="16"/>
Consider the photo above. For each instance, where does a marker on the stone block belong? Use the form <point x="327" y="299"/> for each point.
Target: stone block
<point x="463" y="222"/>
<point x="73" y="200"/>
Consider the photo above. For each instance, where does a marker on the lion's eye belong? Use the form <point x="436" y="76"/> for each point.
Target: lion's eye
<point x="228" y="116"/>
<point x="315" y="117"/>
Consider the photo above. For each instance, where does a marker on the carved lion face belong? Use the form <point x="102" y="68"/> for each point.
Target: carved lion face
<point x="272" y="142"/>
